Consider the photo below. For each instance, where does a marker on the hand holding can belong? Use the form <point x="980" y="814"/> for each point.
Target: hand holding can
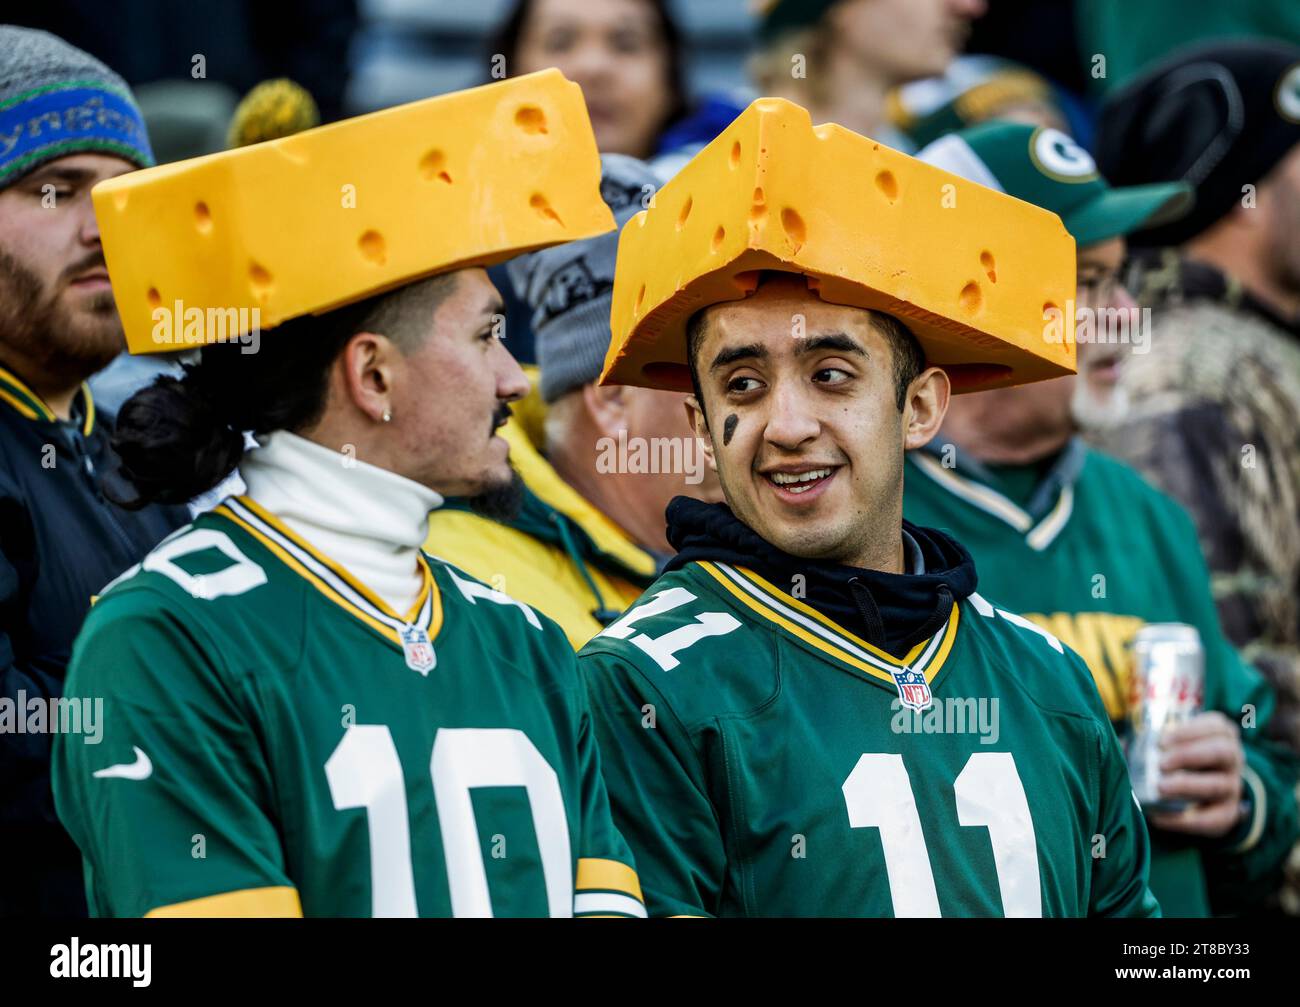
<point x="1167" y="688"/>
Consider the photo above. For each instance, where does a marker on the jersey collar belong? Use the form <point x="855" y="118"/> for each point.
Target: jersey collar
<point x="815" y="630"/>
<point x="1048" y="510"/>
<point x="16" y="394"/>
<point x="333" y="580"/>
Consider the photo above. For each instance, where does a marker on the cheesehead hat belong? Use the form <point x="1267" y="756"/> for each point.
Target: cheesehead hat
<point x="983" y="280"/>
<point x="332" y="215"/>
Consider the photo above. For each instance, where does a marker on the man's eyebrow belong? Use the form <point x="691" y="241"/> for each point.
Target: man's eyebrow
<point x="496" y="306"/>
<point x="750" y="351"/>
<point x="828" y="341"/>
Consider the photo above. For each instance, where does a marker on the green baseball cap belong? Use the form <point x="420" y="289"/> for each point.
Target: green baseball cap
<point x="1045" y="167"/>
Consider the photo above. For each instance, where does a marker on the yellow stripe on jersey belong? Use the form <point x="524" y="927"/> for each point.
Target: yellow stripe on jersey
<point x="89" y="400"/>
<point x="22" y="398"/>
<point x="264" y="903"/>
<point x="430" y="585"/>
<point x="829" y="623"/>
<point x="306" y="574"/>
<point x="24" y="410"/>
<point x="826" y="647"/>
<point x="609" y="876"/>
<point x="343" y="575"/>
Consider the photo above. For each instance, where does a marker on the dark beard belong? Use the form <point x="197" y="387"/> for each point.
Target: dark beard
<point x="54" y="343"/>
<point x="500" y="503"/>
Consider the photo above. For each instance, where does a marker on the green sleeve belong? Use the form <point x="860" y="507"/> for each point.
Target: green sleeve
<point x="606" y="882"/>
<point x="657" y="789"/>
<point x="1120" y="868"/>
<point x="183" y="815"/>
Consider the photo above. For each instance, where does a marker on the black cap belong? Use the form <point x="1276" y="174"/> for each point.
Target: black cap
<point x="1216" y="116"/>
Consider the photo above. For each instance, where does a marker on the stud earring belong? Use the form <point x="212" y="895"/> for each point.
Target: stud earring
<point x="388" y="416"/>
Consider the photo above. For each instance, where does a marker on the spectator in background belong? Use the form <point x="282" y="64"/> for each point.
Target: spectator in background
<point x="1082" y="545"/>
<point x="625" y="54"/>
<point x="840" y="59"/>
<point x="61" y="541"/>
<point x="1215" y="401"/>
<point x="627" y="57"/>
<point x="590" y="536"/>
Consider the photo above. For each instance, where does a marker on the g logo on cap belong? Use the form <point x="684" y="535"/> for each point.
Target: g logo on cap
<point x="1287" y="95"/>
<point x="1059" y="157"/>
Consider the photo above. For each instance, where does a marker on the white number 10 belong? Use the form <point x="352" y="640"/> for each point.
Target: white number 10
<point x="989" y="793"/>
<point x="364" y="772"/>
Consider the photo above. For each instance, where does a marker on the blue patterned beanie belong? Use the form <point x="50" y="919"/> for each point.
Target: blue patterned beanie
<point x="56" y="100"/>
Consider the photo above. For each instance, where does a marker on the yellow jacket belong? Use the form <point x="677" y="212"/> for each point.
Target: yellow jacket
<point x="561" y="555"/>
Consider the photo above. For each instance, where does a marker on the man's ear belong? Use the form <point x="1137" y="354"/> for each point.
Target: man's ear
<point x="607" y="406"/>
<point x="925" y="407"/>
<point x="700" y="424"/>
<point x="366" y="369"/>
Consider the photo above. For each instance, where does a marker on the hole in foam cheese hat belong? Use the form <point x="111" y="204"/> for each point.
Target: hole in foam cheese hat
<point x="331" y="215"/>
<point x="984" y="280"/>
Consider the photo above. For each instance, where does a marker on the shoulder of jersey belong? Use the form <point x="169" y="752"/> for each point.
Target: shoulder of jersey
<point x="471" y="598"/>
<point x="695" y="643"/>
<point x="1032" y="659"/>
<point x="237" y="583"/>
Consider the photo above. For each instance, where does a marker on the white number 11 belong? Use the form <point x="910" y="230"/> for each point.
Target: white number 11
<point x="989" y="793"/>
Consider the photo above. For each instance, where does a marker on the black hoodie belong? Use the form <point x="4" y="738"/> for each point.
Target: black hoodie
<point x="891" y="611"/>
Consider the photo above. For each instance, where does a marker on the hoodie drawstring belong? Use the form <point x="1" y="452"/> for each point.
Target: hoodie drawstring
<point x="873" y="625"/>
<point x="939" y="616"/>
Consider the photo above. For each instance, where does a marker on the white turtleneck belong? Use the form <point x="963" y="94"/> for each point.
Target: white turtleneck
<point x="368" y="520"/>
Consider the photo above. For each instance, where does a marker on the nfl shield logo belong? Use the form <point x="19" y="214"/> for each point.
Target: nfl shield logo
<point x="913" y="689"/>
<point x="418" y="649"/>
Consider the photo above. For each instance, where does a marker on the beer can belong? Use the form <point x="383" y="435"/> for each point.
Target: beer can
<point x="1167" y="688"/>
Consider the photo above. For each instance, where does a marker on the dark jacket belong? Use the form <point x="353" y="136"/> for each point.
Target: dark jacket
<point x="61" y="541"/>
<point x="890" y="611"/>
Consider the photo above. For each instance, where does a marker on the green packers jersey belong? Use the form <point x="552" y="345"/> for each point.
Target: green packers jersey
<point x="763" y="760"/>
<point x="1102" y="554"/>
<point x="276" y="738"/>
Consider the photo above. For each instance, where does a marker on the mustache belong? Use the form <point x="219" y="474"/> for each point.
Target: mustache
<point x="91" y="261"/>
<point x="501" y="416"/>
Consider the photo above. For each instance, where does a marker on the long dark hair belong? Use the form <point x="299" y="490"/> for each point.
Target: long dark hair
<point x="179" y="437"/>
<point x="505" y="40"/>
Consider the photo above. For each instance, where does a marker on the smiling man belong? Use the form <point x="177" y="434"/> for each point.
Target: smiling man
<point x="66" y="123"/>
<point x="812" y="712"/>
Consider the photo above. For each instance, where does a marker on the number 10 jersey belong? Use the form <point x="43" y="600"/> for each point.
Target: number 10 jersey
<point x="763" y="760"/>
<point x="277" y="741"/>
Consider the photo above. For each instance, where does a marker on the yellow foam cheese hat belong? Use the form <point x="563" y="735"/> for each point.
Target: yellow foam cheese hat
<point x="984" y="280"/>
<point x="335" y="214"/>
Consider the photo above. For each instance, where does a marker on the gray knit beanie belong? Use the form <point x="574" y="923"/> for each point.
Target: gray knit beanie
<point x="570" y="287"/>
<point x="56" y="100"/>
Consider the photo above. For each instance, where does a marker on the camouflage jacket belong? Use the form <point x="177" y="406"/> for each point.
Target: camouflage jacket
<point x="1214" y="421"/>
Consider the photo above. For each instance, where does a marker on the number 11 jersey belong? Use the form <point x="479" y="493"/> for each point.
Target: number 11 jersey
<point x="764" y="761"/>
<point x="277" y="741"/>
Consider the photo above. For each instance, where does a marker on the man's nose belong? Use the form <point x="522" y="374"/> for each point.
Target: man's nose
<point x="88" y="225"/>
<point x="790" y="422"/>
<point x="1122" y="299"/>
<point x="512" y="382"/>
